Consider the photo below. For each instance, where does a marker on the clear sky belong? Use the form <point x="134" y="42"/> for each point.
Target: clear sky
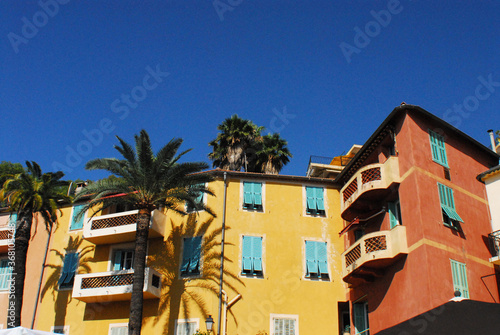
<point x="324" y="74"/>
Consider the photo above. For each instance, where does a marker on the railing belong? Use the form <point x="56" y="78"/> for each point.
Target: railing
<point x="370" y="177"/>
<point x="320" y="160"/>
<point x="113" y="221"/>
<point x="386" y="244"/>
<point x="114" y="285"/>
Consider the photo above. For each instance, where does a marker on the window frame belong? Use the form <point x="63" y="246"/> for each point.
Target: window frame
<point x="257" y="208"/>
<point x="394" y="211"/>
<point x="200" y="261"/>
<point x="121" y="246"/>
<point x="70" y="228"/>
<point x="8" y="276"/>
<point x="117" y="325"/>
<point x="459" y="278"/>
<point x="254" y="274"/>
<point x="184" y="321"/>
<point x="438" y="150"/>
<point x="294" y="317"/>
<point x="320" y="276"/>
<point x="320" y="213"/>
<point x="203" y="201"/>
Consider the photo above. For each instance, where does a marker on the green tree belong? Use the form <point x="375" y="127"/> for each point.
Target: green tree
<point x="30" y="193"/>
<point x="272" y="154"/>
<point x="229" y="148"/>
<point x="148" y="181"/>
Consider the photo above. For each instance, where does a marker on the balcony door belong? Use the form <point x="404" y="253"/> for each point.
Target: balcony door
<point x="360" y="311"/>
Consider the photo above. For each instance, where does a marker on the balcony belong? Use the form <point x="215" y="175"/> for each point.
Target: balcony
<point x="371" y="182"/>
<point x="114" y="286"/>
<point x="367" y="258"/>
<point x="6" y="233"/>
<point x="494" y="239"/>
<point x="121" y="227"/>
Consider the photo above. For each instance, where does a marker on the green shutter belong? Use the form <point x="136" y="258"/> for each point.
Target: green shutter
<point x="359" y="317"/>
<point x="194" y="265"/>
<point x="69" y="268"/>
<point x="311" y="259"/>
<point x="117" y="260"/>
<point x="311" y="199"/>
<point x="393" y="214"/>
<point x="448" y="203"/>
<point x="438" y="148"/>
<point x="77" y="224"/>
<point x="13" y="220"/>
<point x="247" y="193"/>
<point x="247" y="253"/>
<point x="322" y="256"/>
<point x="257" y="253"/>
<point x="186" y="255"/>
<point x="459" y="275"/>
<point x="257" y="194"/>
<point x="320" y="203"/>
<point x="5" y="274"/>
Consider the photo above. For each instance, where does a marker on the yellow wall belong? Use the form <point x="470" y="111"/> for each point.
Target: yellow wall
<point x="283" y="289"/>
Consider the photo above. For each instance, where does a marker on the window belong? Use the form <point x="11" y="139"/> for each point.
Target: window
<point x="70" y="266"/>
<point x="252" y="195"/>
<point x="360" y="311"/>
<point x="191" y="256"/>
<point x="60" y="330"/>
<point x="315" y="201"/>
<point x="358" y="233"/>
<point x="252" y="255"/>
<point x="284" y="325"/>
<point x="118" y="330"/>
<point x="198" y="200"/>
<point x="186" y="326"/>
<point x="316" y="260"/>
<point x="123" y="260"/>
<point x="77" y="223"/>
<point x="459" y="274"/>
<point x="450" y="215"/>
<point x="13" y="220"/>
<point x="438" y="148"/>
<point x="5" y="274"/>
<point x="394" y="213"/>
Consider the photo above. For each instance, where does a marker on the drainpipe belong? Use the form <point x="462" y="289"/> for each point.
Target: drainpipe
<point x="492" y="138"/>
<point x="41" y="278"/>
<point x="219" y="324"/>
<point x="227" y="305"/>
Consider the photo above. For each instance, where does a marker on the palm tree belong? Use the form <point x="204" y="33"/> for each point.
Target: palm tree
<point x="147" y="182"/>
<point x="30" y="193"/>
<point x="272" y="154"/>
<point x="235" y="137"/>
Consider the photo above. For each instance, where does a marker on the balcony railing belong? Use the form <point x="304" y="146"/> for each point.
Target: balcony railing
<point x="374" y="177"/>
<point x="120" y="227"/>
<point x="375" y="250"/>
<point x="6" y="234"/>
<point x="494" y="239"/>
<point x="114" y="285"/>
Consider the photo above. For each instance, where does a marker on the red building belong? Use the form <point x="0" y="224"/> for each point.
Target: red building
<point x="416" y="221"/>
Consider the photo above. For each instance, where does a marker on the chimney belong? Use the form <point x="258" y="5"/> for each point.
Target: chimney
<point x="492" y="138"/>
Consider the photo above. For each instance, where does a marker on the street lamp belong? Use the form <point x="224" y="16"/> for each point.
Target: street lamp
<point x="209" y="322"/>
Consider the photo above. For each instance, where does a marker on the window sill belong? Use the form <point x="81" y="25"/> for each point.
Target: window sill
<point x="435" y="161"/>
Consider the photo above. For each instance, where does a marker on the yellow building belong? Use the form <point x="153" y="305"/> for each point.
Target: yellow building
<point x="282" y="270"/>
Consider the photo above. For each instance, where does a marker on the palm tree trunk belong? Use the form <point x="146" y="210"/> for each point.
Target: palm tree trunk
<point x="22" y="239"/>
<point x="141" y="243"/>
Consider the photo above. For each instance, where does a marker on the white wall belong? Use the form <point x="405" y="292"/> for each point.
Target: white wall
<point x="493" y="192"/>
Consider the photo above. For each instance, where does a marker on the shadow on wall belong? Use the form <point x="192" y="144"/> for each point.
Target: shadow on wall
<point x="62" y="297"/>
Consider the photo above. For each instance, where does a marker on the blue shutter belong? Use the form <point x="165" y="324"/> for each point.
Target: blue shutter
<point x="322" y="256"/>
<point x="311" y="262"/>
<point x="257" y="194"/>
<point x="5" y="274"/>
<point x="257" y="253"/>
<point x="448" y="203"/>
<point x="247" y="194"/>
<point x="459" y="275"/>
<point x="311" y="198"/>
<point x="434" y="146"/>
<point x="70" y="266"/>
<point x="194" y="264"/>
<point x="13" y="220"/>
<point x="393" y="214"/>
<point x="320" y="203"/>
<point x="77" y="224"/>
<point x="247" y="253"/>
<point x="186" y="254"/>
<point x="438" y="148"/>
<point x="117" y="261"/>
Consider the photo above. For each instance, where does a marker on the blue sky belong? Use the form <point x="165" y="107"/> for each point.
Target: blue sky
<point x="324" y="74"/>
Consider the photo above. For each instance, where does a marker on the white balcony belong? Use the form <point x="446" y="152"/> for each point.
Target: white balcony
<point x="6" y="234"/>
<point x="121" y="227"/>
<point x="114" y="286"/>
<point x="373" y="252"/>
<point x="371" y="181"/>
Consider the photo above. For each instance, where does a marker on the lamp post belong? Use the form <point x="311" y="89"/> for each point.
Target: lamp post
<point x="209" y="322"/>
